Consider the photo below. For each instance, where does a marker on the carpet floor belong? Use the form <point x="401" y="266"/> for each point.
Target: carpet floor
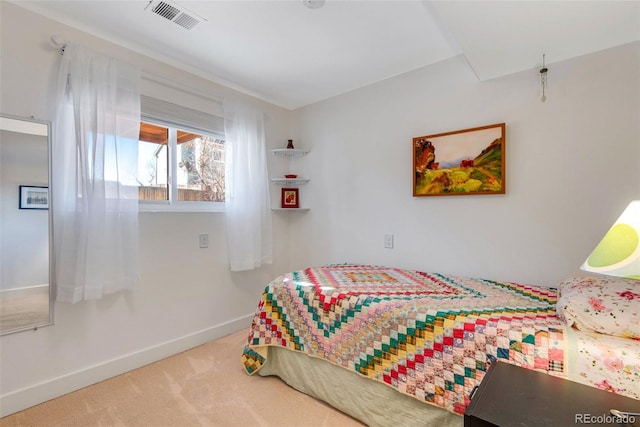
<point x="204" y="386"/>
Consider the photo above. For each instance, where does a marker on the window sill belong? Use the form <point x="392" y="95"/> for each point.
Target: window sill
<point x="185" y="207"/>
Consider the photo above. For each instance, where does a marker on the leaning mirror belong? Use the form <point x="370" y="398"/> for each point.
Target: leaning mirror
<point x="25" y="225"/>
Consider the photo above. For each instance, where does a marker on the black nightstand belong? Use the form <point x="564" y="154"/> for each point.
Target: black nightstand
<point x="512" y="396"/>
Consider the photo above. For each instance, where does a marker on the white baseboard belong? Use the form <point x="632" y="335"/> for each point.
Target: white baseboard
<point x="38" y="393"/>
<point x="23" y="291"/>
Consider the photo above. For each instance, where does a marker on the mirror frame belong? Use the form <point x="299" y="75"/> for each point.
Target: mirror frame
<point x="49" y="322"/>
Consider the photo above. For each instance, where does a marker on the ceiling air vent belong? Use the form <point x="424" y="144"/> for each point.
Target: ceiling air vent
<point x="175" y="13"/>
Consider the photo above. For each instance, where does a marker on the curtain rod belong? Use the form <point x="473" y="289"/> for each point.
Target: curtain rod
<point x="152" y="77"/>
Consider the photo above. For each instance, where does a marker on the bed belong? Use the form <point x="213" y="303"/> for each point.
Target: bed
<point x="390" y="346"/>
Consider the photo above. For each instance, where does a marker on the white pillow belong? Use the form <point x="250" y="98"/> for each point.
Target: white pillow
<point x="607" y="305"/>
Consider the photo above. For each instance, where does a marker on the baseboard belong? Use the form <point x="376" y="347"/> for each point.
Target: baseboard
<point x="23" y="291"/>
<point x="38" y="393"/>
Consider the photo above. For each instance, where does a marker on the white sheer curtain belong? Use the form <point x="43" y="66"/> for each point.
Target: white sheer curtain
<point x="94" y="170"/>
<point x="248" y="204"/>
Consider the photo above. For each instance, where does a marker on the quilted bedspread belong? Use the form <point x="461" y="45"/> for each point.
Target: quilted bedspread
<point x="428" y="335"/>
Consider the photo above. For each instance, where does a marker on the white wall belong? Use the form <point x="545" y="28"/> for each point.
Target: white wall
<point x="572" y="166"/>
<point x="187" y="296"/>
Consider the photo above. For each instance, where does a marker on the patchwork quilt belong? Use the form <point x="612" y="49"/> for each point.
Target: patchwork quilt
<point x="428" y="335"/>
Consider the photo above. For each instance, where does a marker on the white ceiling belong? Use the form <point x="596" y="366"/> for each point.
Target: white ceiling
<point x="290" y="55"/>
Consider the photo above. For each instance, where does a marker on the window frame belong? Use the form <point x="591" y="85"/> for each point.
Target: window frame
<point x="174" y="205"/>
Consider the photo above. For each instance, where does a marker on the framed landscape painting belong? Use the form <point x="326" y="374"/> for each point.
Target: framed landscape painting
<point x="463" y="162"/>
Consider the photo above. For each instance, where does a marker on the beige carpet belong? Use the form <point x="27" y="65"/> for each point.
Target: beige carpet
<point x="205" y="386"/>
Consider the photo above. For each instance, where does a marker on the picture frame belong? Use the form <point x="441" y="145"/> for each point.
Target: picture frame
<point x="33" y="197"/>
<point x="290" y="198"/>
<point x="463" y="162"/>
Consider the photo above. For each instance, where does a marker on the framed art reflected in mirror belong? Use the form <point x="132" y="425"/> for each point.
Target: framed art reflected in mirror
<point x="34" y="197"/>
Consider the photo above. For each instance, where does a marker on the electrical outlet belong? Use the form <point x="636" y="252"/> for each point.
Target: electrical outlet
<point x="388" y="241"/>
<point x="204" y="240"/>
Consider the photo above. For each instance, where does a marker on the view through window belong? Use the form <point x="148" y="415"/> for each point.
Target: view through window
<point x="177" y="165"/>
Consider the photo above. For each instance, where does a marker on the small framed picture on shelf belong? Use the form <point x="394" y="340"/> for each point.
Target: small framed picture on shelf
<point x="290" y="198"/>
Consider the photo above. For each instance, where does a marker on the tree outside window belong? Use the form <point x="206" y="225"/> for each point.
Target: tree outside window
<point x="197" y="165"/>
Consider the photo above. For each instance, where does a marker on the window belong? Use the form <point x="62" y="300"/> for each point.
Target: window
<point x="181" y="154"/>
<point x="180" y="169"/>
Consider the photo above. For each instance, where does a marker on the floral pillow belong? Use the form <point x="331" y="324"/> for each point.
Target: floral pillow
<point x="601" y="304"/>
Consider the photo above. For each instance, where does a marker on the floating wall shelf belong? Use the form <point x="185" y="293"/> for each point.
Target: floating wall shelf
<point x="290" y="152"/>
<point x="290" y="209"/>
<point x="293" y="182"/>
<point x="289" y="181"/>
